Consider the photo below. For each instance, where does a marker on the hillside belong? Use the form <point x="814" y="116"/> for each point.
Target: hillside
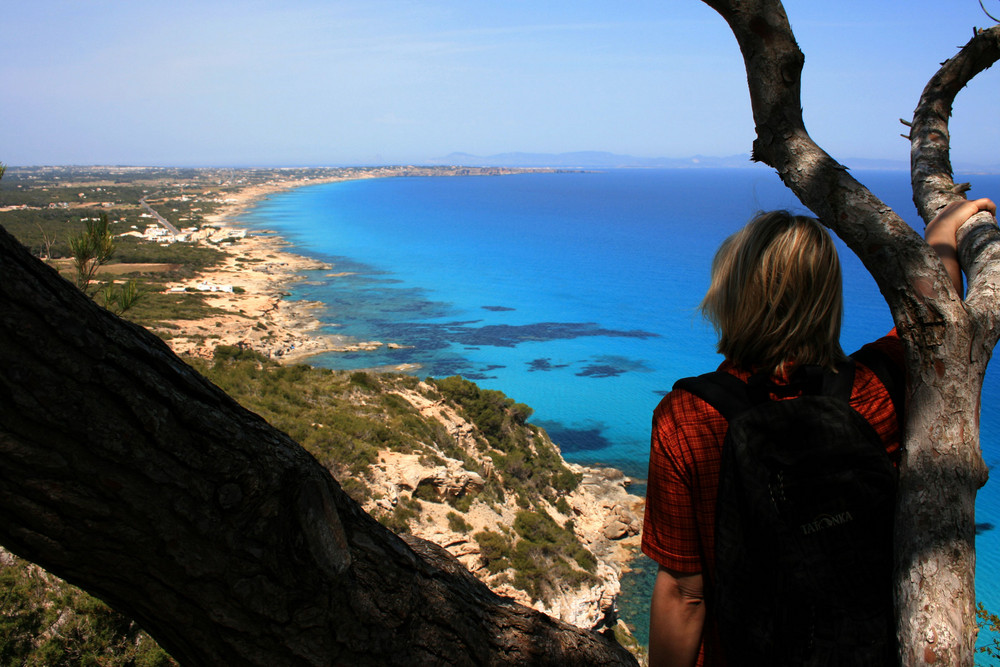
<point x="457" y="465"/>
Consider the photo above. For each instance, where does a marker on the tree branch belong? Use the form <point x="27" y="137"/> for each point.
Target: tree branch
<point x="931" y="175"/>
<point x="892" y="252"/>
<point x="930" y="162"/>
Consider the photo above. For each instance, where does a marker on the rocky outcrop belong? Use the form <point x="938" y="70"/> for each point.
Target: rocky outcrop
<point x="623" y="523"/>
<point x="602" y="501"/>
<point x="601" y="512"/>
<point x="409" y="472"/>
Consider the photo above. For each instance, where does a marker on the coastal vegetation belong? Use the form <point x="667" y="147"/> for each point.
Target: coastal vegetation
<point x="46" y="622"/>
<point x="532" y="464"/>
<point x="346" y="419"/>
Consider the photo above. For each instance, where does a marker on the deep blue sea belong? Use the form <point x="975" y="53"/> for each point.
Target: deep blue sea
<point x="575" y="293"/>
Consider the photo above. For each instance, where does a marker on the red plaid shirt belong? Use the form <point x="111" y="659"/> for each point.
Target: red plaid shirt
<point x="685" y="452"/>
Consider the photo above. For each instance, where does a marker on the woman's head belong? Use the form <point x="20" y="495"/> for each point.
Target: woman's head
<point x="775" y="295"/>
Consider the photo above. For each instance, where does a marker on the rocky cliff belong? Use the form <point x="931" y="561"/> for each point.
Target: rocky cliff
<point x="460" y="504"/>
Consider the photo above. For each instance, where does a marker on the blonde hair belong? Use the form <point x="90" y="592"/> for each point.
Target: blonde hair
<point x="775" y="297"/>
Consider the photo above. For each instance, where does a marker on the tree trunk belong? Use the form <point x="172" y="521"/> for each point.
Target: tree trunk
<point x="948" y="342"/>
<point x="128" y="474"/>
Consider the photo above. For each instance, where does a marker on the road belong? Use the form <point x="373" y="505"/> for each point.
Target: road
<point x="159" y="218"/>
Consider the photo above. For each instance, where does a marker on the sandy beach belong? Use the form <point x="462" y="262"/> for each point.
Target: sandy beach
<point x="251" y="286"/>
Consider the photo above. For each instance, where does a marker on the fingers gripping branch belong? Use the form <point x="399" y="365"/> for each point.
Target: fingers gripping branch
<point x="895" y="255"/>
<point x="931" y="173"/>
<point x="930" y="162"/>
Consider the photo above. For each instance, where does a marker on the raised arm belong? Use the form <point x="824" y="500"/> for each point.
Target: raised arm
<point x="942" y="230"/>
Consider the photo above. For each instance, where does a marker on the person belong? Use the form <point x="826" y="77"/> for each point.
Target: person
<point x="775" y="301"/>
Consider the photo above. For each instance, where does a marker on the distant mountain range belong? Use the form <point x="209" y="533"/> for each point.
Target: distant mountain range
<point x="605" y="160"/>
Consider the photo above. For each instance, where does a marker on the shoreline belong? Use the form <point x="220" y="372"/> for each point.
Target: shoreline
<point x="250" y="283"/>
<point x="264" y="264"/>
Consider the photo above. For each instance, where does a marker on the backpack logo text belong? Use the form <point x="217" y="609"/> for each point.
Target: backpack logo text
<point x="825" y="521"/>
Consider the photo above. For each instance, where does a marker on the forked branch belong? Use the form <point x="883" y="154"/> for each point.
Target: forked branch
<point x="931" y="170"/>
<point x="894" y="254"/>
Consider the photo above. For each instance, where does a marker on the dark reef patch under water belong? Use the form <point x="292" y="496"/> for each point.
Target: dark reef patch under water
<point x="572" y="439"/>
<point x="543" y="365"/>
<point x="611" y="365"/>
<point x="435" y="336"/>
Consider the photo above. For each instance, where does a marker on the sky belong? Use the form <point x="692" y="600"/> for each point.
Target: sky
<point x="341" y="82"/>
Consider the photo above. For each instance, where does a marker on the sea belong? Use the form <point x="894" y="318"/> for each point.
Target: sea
<point x="575" y="293"/>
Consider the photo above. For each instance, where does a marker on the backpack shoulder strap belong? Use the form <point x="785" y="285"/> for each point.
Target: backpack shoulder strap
<point x="724" y="392"/>
<point x="841" y="383"/>
<point x="731" y="396"/>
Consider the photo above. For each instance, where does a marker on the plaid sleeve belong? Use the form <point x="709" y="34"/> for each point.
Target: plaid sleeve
<point x="872" y="400"/>
<point x="683" y="475"/>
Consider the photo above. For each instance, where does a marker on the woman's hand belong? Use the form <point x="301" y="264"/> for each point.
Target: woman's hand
<point x="941" y="233"/>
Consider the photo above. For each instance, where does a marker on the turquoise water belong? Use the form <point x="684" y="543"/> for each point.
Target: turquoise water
<point x="573" y="293"/>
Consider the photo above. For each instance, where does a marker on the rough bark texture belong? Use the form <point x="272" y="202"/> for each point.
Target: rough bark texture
<point x="948" y="341"/>
<point x="128" y="474"/>
<point x="936" y="562"/>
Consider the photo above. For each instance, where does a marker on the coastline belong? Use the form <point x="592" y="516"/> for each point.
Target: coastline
<point x="250" y="285"/>
<point x="261" y="316"/>
<point x="251" y="282"/>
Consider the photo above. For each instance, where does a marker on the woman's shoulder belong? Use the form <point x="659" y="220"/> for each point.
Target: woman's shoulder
<point x="889" y="347"/>
<point x="682" y="410"/>
<point x="879" y="384"/>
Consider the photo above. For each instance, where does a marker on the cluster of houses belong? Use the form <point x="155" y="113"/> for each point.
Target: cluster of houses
<point x="162" y="232"/>
<point x="158" y="234"/>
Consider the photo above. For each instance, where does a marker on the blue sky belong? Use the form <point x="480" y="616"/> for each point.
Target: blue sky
<point x="310" y="82"/>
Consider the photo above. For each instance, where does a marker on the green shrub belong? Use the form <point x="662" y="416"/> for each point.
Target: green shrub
<point x="156" y="306"/>
<point x="355" y="488"/>
<point x="90" y="632"/>
<point x="458" y="524"/>
<point x="566" y="480"/>
<point x="529" y="462"/>
<point x="426" y="491"/>
<point x="364" y="380"/>
<point x="392" y="402"/>
<point x="224" y="353"/>
<point x="462" y="503"/>
<point x="544" y="555"/>
<point x="398" y="520"/>
<point x="493" y="546"/>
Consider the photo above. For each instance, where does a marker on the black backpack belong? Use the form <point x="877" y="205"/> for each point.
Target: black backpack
<point x="804" y="521"/>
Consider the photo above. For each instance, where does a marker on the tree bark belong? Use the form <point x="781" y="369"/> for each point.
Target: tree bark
<point x="128" y="474"/>
<point x="936" y="562"/>
<point x="948" y="341"/>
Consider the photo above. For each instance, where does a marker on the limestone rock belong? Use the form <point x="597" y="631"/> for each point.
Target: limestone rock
<point x="603" y="512"/>
<point x="622" y="523"/>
